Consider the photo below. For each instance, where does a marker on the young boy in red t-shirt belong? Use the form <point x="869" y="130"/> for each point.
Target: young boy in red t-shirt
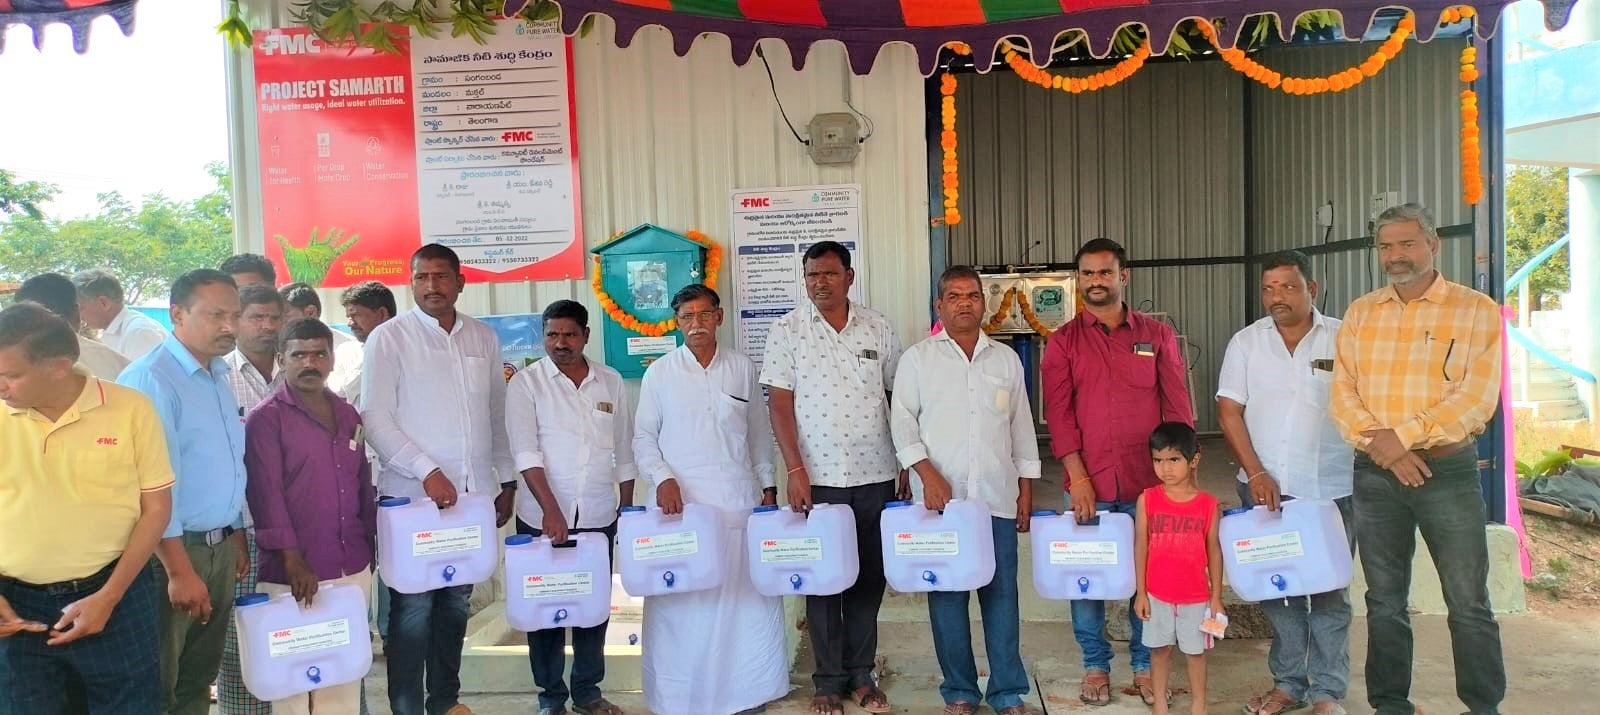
<point x="1180" y="563"/>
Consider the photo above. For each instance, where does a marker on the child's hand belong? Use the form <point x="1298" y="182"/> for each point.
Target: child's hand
<point x="1216" y="607"/>
<point x="1141" y="607"/>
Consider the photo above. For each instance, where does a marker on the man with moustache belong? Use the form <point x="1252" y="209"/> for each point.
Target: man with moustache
<point x="701" y="436"/>
<point x="251" y="375"/>
<point x="1272" y="400"/>
<point x="433" y="398"/>
<point x="829" y="366"/>
<point x="1417" y="379"/>
<point x="310" y="490"/>
<point x="962" y="422"/>
<point x="199" y="558"/>
<point x="1111" y="375"/>
<point x="571" y="435"/>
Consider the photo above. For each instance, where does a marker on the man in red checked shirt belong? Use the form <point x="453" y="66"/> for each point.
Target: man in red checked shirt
<point x="1111" y="375"/>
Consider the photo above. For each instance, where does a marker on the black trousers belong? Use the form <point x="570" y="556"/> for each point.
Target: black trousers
<point x="844" y="626"/>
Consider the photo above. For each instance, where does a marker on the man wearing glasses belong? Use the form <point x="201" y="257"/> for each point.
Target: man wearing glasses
<point x="701" y="436"/>
<point x="829" y="365"/>
<point x="1111" y="375"/>
<point x="1415" y="380"/>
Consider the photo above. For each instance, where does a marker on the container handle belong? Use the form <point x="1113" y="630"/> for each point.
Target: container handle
<point x="795" y="580"/>
<point x="314" y="674"/>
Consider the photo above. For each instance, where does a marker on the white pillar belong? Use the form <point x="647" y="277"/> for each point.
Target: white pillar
<point x="1583" y="224"/>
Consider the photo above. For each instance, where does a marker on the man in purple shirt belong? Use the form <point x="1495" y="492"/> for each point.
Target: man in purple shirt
<point x="1111" y="375"/>
<point x="310" y="490"/>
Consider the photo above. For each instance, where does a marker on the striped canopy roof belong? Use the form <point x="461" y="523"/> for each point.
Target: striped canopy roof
<point x="864" y="26"/>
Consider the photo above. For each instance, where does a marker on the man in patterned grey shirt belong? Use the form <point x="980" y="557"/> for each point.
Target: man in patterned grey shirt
<point x="829" y="366"/>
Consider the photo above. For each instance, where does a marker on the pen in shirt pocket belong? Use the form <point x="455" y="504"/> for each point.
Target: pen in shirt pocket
<point x="741" y="399"/>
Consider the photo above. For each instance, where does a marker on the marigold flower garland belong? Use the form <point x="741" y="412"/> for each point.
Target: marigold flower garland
<point x="659" y="328"/>
<point x="947" y="141"/>
<point x="1004" y="311"/>
<point x="1336" y="82"/>
<point x="1076" y="85"/>
<point x="1471" y="173"/>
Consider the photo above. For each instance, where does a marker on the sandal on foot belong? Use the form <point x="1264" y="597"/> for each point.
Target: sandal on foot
<point x="872" y="699"/>
<point x="1146" y="686"/>
<point x="1273" y="702"/>
<point x="1328" y="707"/>
<point x="959" y="707"/>
<point x="827" y="705"/>
<point x="1096" y="688"/>
<point x="598" y="707"/>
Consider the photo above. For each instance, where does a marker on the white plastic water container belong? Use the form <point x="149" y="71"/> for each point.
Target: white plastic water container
<point x="1297" y="551"/>
<point x="925" y="550"/>
<point x="423" y="548"/>
<point x="794" y="554"/>
<point x="659" y="555"/>
<point x="1083" y="562"/>
<point x="549" y="586"/>
<point x="627" y="616"/>
<point x="286" y="650"/>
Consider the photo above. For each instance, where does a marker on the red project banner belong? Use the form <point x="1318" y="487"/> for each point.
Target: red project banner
<point x="338" y="160"/>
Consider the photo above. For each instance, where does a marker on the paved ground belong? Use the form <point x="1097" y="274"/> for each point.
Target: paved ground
<point x="1551" y="663"/>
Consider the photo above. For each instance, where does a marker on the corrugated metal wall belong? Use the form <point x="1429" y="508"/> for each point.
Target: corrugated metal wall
<point x="1153" y="163"/>
<point x="664" y="139"/>
<point x="1396" y="132"/>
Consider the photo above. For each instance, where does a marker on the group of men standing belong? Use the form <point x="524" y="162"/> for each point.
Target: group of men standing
<point x="230" y="459"/>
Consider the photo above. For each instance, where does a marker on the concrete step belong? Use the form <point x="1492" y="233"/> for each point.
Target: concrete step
<point x="1545" y="391"/>
<point x="1553" y="410"/>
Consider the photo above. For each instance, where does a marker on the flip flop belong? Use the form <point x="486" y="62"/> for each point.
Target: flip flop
<point x="1277" y="700"/>
<point x="872" y="699"/>
<point x="1096" y="688"/>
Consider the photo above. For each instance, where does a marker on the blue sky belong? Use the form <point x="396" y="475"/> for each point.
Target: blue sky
<point x="134" y="114"/>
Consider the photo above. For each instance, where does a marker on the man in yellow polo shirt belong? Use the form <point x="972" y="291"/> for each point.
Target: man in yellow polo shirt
<point x="1416" y="379"/>
<point x="85" y="492"/>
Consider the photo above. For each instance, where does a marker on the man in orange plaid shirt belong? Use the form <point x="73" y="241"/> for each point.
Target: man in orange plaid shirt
<point x="1416" y="379"/>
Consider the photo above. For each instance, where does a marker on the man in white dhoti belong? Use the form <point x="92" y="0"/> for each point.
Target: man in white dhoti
<point x="702" y="436"/>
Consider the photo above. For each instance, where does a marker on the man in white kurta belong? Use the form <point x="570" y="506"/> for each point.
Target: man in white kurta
<point x="702" y="436"/>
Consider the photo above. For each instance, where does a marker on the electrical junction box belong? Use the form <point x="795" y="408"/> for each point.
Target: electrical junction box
<point x="835" y="138"/>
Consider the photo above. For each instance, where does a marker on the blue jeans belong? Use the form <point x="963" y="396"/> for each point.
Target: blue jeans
<point x="1310" y="654"/>
<point x="1448" y="509"/>
<point x="1089" y="621"/>
<point x="547" y="656"/>
<point x="426" y="633"/>
<point x="952" y="632"/>
<point x="117" y="671"/>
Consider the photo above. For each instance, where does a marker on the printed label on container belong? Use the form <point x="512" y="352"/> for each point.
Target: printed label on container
<point x="932" y="543"/>
<point x="307" y="638"/>
<point x="1084" y="553"/>
<point x="1268" y="548"/>
<point x="550" y="585"/>
<point x="662" y="546"/>
<point x="778" y="551"/>
<point x="446" y="541"/>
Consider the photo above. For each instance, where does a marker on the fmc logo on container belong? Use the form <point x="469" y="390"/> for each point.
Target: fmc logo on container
<point x="306" y="44"/>
<point x="756" y="202"/>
